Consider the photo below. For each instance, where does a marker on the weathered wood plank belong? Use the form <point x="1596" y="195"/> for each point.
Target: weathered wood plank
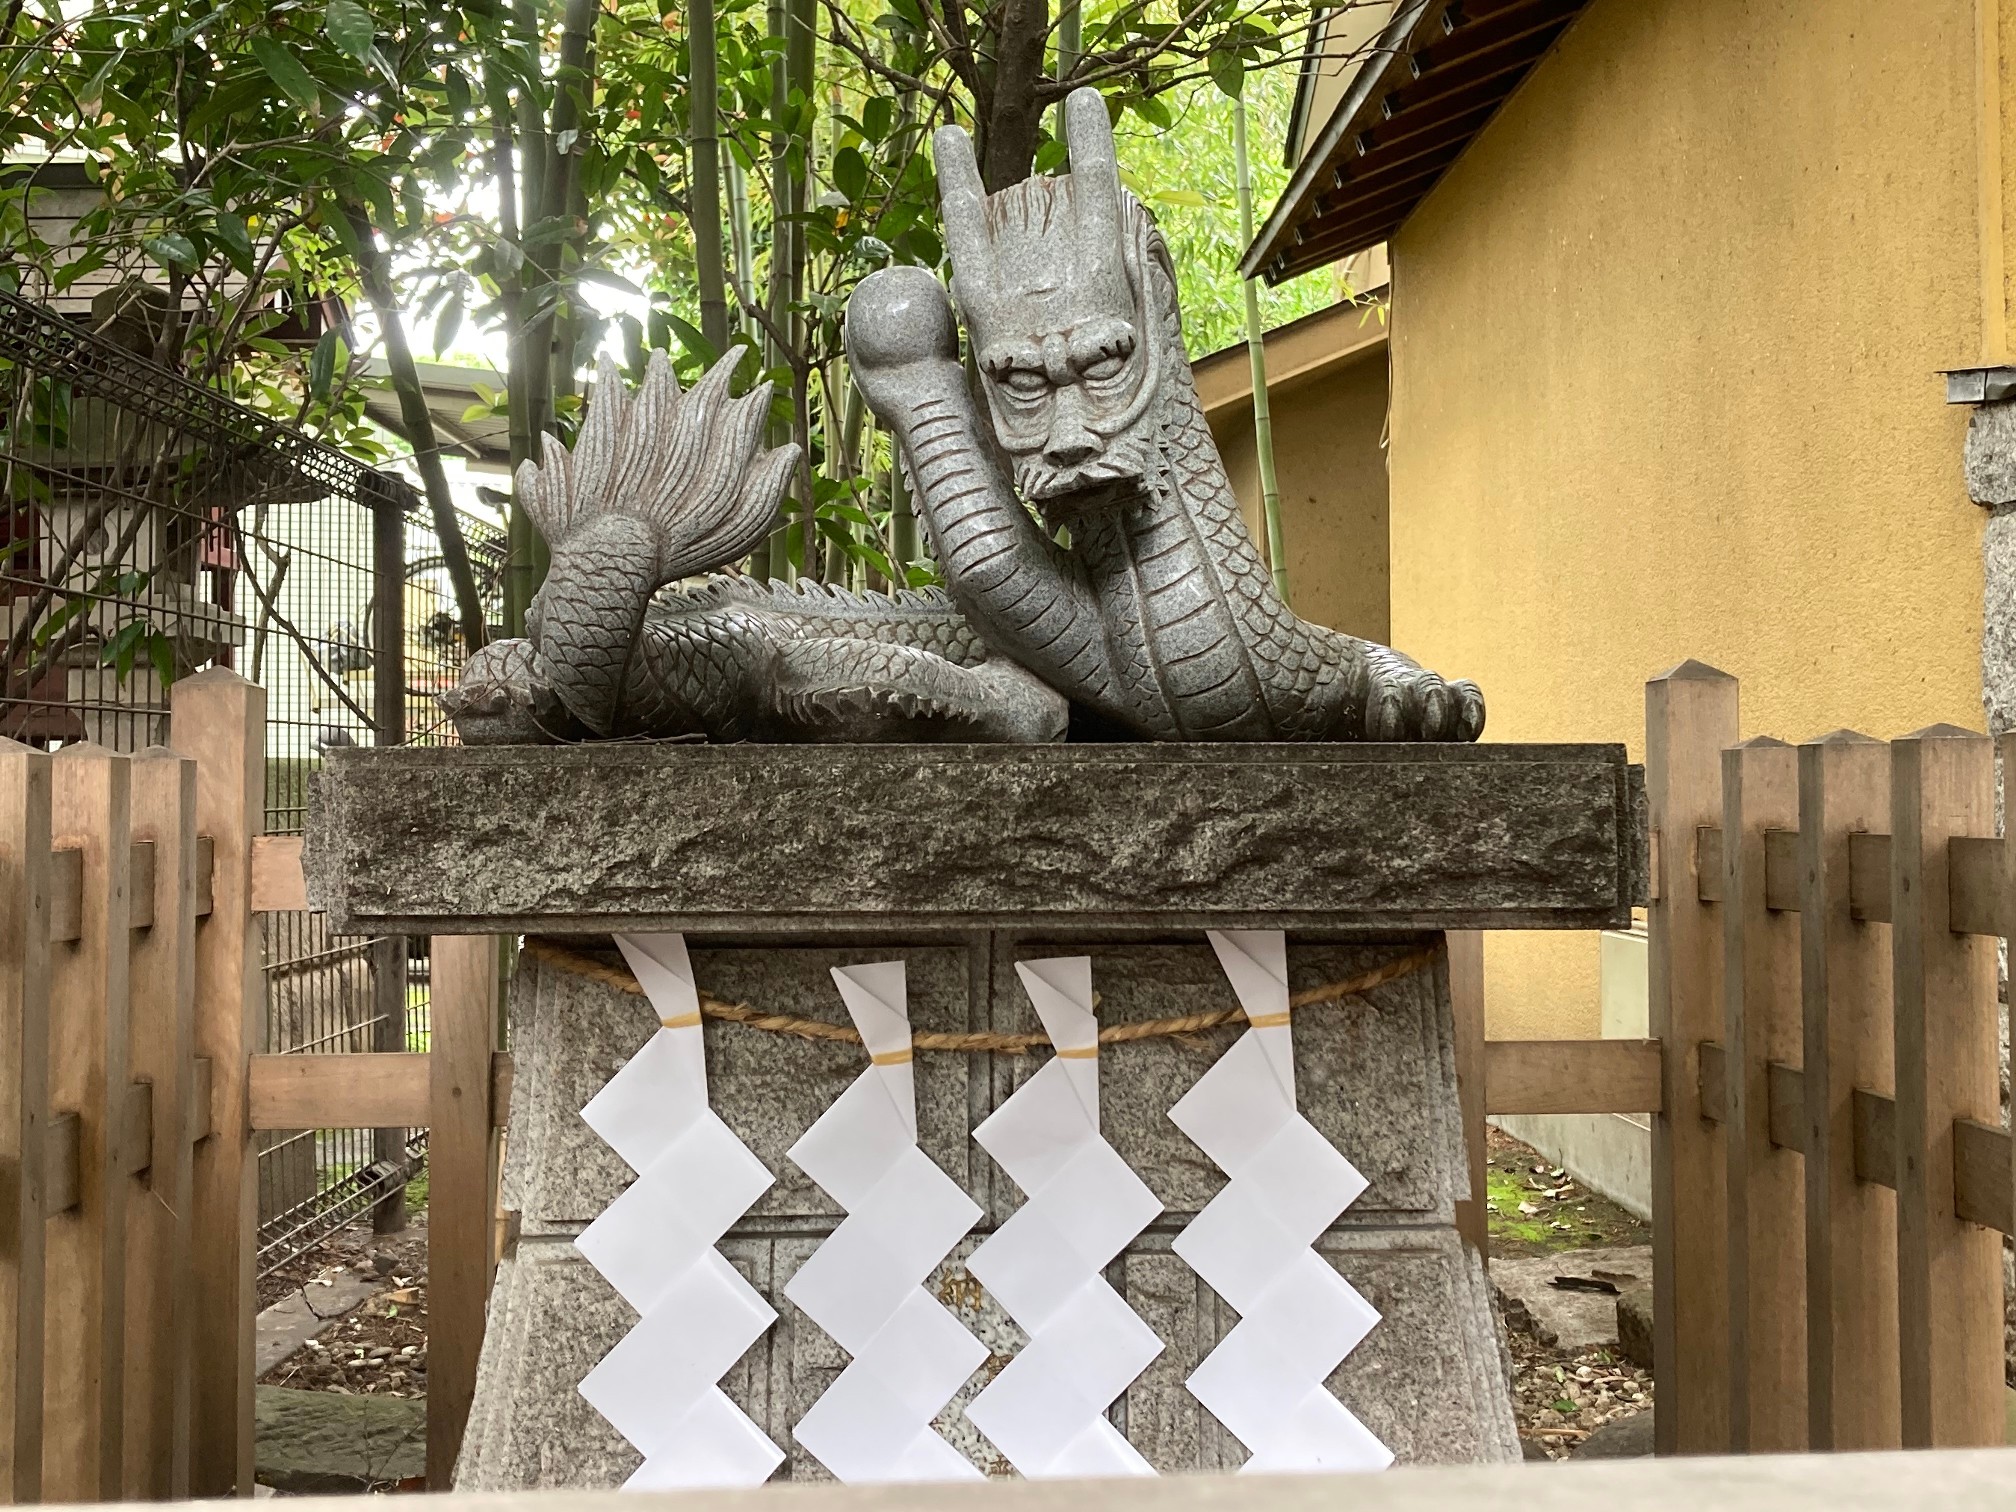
<point x="85" y="1313"/>
<point x="461" y="1159"/>
<point x="1869" y="877"/>
<point x="1982" y="1176"/>
<point x="1787" y="1111"/>
<point x="277" y="884"/>
<point x="1690" y="716"/>
<point x="1571" y="1076"/>
<point x="1875" y="1141"/>
<point x="198" y="1100"/>
<point x="1761" y="1024"/>
<point x="25" y="882"/>
<point x="62" y="1156"/>
<point x="339" y="1091"/>
<point x="219" y="720"/>
<point x="1851" y="1225"/>
<point x="160" y="1305"/>
<point x="1466" y="1002"/>
<point x="1949" y="1272"/>
<point x="66" y="894"/>
<point x="355" y="1091"/>
<point x="1974" y="880"/>
<point x="206" y="866"/>
<point x="592" y="838"/>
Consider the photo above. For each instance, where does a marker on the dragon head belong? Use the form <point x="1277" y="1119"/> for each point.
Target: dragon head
<point x="1053" y="279"/>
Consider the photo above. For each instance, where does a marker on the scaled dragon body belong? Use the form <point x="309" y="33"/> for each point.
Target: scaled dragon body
<point x="1137" y="596"/>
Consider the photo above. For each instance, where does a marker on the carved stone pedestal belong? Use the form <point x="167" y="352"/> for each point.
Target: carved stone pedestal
<point x="782" y="863"/>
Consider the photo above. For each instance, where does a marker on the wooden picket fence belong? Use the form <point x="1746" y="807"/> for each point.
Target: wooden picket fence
<point x="1830" y="1169"/>
<point x="1831" y="1177"/>
<point x="132" y="1085"/>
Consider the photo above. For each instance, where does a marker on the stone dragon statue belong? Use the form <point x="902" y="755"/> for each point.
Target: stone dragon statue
<point x="1156" y="621"/>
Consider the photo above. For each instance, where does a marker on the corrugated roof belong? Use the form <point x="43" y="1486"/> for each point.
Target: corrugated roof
<point x="1438" y="73"/>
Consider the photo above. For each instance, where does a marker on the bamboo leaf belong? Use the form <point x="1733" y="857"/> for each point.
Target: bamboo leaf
<point x="161" y="651"/>
<point x="450" y="323"/>
<point x="691" y="339"/>
<point x="172" y="250"/>
<point x="1228" y="71"/>
<point x="322" y="363"/>
<point x="350" y="27"/>
<point x="284" y="69"/>
<point x="850" y="174"/>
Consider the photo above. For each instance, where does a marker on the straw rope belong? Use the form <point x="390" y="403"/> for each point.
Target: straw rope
<point x="619" y="977"/>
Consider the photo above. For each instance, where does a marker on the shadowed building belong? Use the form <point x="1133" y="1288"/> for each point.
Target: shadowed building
<point x="1672" y="290"/>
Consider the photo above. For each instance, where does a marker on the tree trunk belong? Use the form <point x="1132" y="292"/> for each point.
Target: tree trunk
<point x="1014" y="121"/>
<point x="520" y="578"/>
<point x="419" y="425"/>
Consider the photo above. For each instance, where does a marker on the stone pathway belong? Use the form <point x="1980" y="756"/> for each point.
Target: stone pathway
<point x="317" y="1442"/>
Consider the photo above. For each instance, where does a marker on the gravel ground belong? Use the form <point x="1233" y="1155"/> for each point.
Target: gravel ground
<point x="381" y="1348"/>
<point x="1560" y="1397"/>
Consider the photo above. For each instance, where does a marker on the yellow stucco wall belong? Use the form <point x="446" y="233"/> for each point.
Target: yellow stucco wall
<point x="1664" y="350"/>
<point x="1331" y="470"/>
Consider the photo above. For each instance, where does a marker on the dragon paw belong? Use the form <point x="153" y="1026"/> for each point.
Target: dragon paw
<point x="504" y="699"/>
<point x="1410" y="703"/>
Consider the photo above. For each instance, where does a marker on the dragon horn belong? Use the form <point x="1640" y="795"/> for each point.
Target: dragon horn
<point x="962" y="204"/>
<point x="1095" y="186"/>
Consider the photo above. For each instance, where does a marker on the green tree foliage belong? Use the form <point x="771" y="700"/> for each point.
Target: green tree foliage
<point x="506" y="171"/>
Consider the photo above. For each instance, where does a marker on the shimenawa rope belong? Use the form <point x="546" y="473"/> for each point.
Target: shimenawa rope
<point x="619" y="977"/>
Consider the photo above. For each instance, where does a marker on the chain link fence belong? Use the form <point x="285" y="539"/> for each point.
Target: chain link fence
<point x="152" y="528"/>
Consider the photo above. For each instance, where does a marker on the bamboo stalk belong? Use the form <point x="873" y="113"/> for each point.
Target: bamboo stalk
<point x="705" y="139"/>
<point x="1256" y="351"/>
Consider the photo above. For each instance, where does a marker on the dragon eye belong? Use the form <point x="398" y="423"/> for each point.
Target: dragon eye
<point x="1109" y="366"/>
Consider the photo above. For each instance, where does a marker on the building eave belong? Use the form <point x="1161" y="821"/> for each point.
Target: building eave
<point x="1435" y="78"/>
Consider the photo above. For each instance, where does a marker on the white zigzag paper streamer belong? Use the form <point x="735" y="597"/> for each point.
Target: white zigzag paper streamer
<point x="1046" y="1410"/>
<point x="863" y="1284"/>
<point x="1252" y="1243"/>
<point x="655" y="1244"/>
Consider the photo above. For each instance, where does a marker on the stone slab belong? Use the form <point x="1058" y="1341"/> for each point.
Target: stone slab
<point x="290" y="1323"/>
<point x="322" y="1442"/>
<point x="1082" y="840"/>
<point x="1565" y="1318"/>
<point x="1376" y="1075"/>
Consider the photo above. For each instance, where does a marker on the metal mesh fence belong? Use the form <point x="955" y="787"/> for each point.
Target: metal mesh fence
<point x="149" y="528"/>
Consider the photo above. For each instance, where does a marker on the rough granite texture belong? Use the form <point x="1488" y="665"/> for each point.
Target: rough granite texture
<point x="1077" y="838"/>
<point x="1998" y="619"/>
<point x="1375" y="1075"/>
<point x="1990" y="455"/>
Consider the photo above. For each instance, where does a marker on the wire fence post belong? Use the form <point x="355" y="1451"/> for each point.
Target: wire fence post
<point x="388" y="710"/>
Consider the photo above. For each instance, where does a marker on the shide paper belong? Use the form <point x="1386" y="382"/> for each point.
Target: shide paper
<point x="1298" y="1318"/>
<point x="863" y="1285"/>
<point x="655" y="1245"/>
<point x="1046" y="1410"/>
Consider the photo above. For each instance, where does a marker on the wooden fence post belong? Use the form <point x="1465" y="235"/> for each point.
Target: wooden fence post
<point x="1767" y="1258"/>
<point x="1690" y="716"/>
<point x="24" y="1109"/>
<point x="1466" y="1002"/>
<point x="460" y="1186"/>
<point x="1845" y="984"/>
<point x="219" y="720"/>
<point x="1949" y="1271"/>
<point x="84" y="1373"/>
<point x="158" y="1302"/>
